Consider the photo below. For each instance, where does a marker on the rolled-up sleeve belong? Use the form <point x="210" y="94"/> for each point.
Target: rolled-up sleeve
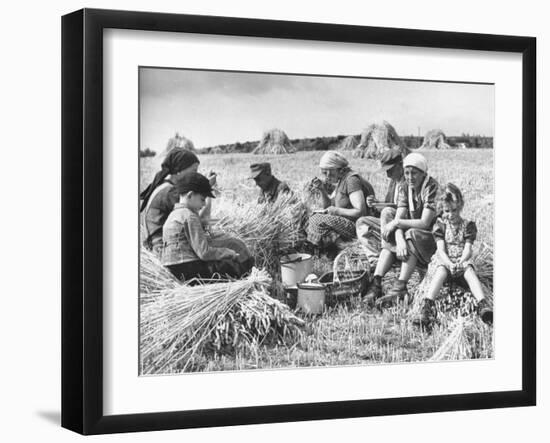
<point x="199" y="242"/>
<point x="429" y="195"/>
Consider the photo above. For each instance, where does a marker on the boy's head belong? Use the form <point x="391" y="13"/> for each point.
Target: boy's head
<point x="193" y="188"/>
<point x="451" y="201"/>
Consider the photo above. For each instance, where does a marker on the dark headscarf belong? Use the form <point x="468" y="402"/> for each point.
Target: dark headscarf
<point x="175" y="161"/>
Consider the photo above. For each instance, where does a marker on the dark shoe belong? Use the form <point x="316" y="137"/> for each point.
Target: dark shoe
<point x="397" y="292"/>
<point x="374" y="293"/>
<point x="427" y="315"/>
<point x="485" y="312"/>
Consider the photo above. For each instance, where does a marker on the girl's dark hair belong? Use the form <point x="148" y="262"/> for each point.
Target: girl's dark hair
<point x="451" y="194"/>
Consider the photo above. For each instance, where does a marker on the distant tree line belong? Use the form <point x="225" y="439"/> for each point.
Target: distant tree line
<point x="333" y="142"/>
<point x="301" y="144"/>
<point x="470" y="141"/>
<point x="147" y="153"/>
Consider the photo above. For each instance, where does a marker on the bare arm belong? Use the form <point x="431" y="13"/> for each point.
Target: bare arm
<point x="442" y="253"/>
<point x="400" y="243"/>
<point x="467" y="253"/>
<point x="325" y="199"/>
<point x="357" y="200"/>
<point x="199" y="243"/>
<point x="401" y="213"/>
<point x="424" y="222"/>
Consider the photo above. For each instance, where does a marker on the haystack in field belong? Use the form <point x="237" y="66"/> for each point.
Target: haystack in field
<point x="274" y="141"/>
<point x="435" y="139"/>
<point x="349" y="143"/>
<point x="179" y="141"/>
<point x="377" y="138"/>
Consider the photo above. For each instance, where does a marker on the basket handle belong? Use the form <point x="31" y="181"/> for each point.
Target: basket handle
<point x="335" y="277"/>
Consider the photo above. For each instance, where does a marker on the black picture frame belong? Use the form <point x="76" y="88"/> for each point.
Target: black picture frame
<point x="82" y="220"/>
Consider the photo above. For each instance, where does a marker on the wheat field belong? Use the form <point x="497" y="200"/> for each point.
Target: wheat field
<point x="349" y="334"/>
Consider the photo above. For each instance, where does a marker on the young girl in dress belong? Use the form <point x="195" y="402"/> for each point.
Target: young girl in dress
<point x="454" y="237"/>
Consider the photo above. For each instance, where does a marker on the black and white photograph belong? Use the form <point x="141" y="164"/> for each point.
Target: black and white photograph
<point x="298" y="221"/>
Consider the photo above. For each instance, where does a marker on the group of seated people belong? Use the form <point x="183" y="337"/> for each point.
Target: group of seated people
<point x="418" y="222"/>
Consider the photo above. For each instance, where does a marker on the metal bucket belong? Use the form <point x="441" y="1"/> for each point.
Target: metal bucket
<point x="311" y="297"/>
<point x="295" y="268"/>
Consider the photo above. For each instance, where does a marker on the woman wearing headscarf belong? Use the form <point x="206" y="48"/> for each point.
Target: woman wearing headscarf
<point x="406" y="232"/>
<point x="341" y="208"/>
<point x="158" y="199"/>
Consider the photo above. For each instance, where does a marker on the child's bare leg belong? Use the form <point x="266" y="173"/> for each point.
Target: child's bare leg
<point x="407" y="268"/>
<point x="428" y="312"/>
<point x="473" y="282"/>
<point x="436" y="284"/>
<point x="385" y="260"/>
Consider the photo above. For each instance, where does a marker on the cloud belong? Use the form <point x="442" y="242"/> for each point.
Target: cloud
<point x="214" y="107"/>
<point x="158" y="82"/>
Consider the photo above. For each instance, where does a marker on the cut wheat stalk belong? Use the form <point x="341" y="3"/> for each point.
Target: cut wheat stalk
<point x="182" y="324"/>
<point x="153" y="276"/>
<point x="269" y="230"/>
<point x="463" y="342"/>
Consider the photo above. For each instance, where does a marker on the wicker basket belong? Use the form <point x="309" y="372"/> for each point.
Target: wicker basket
<point x="349" y="277"/>
<point x="344" y="290"/>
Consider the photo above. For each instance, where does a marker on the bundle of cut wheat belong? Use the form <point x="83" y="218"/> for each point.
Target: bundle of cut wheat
<point x="274" y="141"/>
<point x="349" y="143"/>
<point x="269" y="230"/>
<point x="153" y="276"/>
<point x="468" y="339"/>
<point x="435" y="139"/>
<point x="378" y="138"/>
<point x="183" y="323"/>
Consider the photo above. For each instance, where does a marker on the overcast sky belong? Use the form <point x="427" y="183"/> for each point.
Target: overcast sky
<point x="211" y="108"/>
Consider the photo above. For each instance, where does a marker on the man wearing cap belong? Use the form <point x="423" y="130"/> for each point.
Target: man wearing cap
<point x="368" y="227"/>
<point x="270" y="186"/>
<point x="407" y="236"/>
<point x="188" y="251"/>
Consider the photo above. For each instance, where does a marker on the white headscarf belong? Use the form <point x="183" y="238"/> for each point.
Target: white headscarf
<point x="417" y="160"/>
<point x="333" y="160"/>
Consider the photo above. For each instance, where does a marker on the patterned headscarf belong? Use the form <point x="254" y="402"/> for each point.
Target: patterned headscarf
<point x="333" y="160"/>
<point x="175" y="161"/>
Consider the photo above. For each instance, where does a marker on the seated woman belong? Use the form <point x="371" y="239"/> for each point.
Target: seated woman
<point x="188" y="251"/>
<point x="159" y="198"/>
<point x="406" y="232"/>
<point x="368" y="227"/>
<point x="335" y="224"/>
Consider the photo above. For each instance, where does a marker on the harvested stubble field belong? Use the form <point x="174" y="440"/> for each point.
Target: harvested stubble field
<point x="349" y="334"/>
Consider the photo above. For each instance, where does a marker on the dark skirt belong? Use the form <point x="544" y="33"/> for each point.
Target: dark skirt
<point x="420" y="242"/>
